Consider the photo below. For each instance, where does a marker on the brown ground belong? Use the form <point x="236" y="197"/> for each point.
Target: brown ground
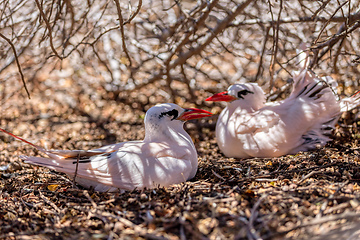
<point x="313" y="195"/>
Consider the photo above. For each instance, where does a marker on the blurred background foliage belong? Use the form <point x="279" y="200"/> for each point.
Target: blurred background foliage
<point x="141" y="52"/>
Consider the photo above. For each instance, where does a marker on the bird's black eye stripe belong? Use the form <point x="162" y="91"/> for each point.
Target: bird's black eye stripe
<point x="243" y="93"/>
<point x="173" y="113"/>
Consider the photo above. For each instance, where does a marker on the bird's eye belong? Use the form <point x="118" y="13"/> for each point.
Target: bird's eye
<point x="173" y="113"/>
<point x="243" y="93"/>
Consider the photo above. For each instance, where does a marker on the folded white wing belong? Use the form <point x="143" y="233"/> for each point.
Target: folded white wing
<point x="134" y="165"/>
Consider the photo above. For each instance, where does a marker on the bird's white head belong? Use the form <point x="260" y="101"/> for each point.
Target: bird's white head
<point x="246" y="95"/>
<point x="165" y="116"/>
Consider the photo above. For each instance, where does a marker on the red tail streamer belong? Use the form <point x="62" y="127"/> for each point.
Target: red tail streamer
<point x="21" y="139"/>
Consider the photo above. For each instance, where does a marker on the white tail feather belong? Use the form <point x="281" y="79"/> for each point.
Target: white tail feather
<point x="303" y="56"/>
<point x="350" y="103"/>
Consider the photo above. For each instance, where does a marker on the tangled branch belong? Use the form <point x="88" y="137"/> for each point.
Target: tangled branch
<point x="180" y="48"/>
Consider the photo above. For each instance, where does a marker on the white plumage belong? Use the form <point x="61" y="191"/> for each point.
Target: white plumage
<point x="166" y="156"/>
<point x="249" y="127"/>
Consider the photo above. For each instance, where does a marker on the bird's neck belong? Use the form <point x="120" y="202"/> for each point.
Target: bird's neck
<point x="233" y="107"/>
<point x="248" y="106"/>
<point x="170" y="135"/>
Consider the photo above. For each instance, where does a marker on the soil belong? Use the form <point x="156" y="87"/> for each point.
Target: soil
<point x="311" y="195"/>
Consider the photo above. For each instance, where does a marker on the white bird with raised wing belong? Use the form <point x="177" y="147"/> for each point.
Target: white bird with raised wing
<point x="249" y="127"/>
<point x="166" y="156"/>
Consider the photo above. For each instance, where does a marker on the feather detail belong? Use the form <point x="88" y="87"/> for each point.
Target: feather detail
<point x="303" y="121"/>
<point x="350" y="103"/>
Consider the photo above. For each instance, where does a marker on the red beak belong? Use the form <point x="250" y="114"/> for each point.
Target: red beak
<point x="221" y="97"/>
<point x="193" y="113"/>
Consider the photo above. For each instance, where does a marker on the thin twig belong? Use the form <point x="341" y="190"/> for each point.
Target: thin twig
<point x="17" y="63"/>
<point x="217" y="175"/>
<point x="138" y="230"/>
<point x="275" y="46"/>
<point x="49" y="28"/>
<point x="331" y="197"/>
<point x="252" y="234"/>
<point x="260" y="65"/>
<point x="121" y="25"/>
<point x="187" y="81"/>
<point x="317" y="221"/>
<point x="49" y="202"/>
<point x="135" y="13"/>
<point x="191" y="31"/>
<point x="86" y="193"/>
<point x="76" y="169"/>
<point x="322" y="7"/>
<point x="325" y="25"/>
<point x="309" y="175"/>
<point x="337" y="54"/>
<point x="330" y="43"/>
<point x="219" y="28"/>
<point x="289" y="20"/>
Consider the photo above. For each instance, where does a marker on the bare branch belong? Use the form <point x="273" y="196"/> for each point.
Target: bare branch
<point x="331" y="42"/>
<point x="219" y="28"/>
<point x="49" y="28"/>
<point x="121" y="20"/>
<point x="17" y="63"/>
<point x="325" y="25"/>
